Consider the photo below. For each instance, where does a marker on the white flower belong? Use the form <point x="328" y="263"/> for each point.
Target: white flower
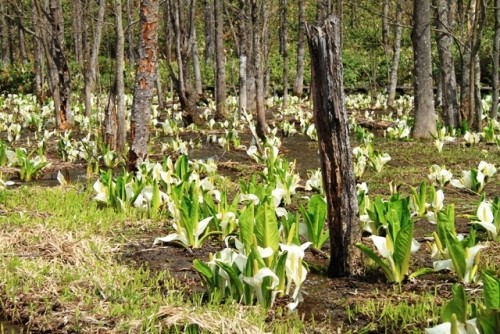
<point x="485" y="215"/>
<point x="486" y="168"/>
<point x="256" y="282"/>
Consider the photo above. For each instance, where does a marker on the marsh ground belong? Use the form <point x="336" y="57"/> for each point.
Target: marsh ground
<point x="68" y="265"/>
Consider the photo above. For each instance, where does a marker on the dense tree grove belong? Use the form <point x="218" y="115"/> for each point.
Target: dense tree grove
<point x="71" y="50"/>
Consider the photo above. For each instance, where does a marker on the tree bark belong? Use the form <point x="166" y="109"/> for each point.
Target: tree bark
<point x="243" y="57"/>
<point x="298" y="86"/>
<point x="4" y="31"/>
<point x="334" y="146"/>
<point x="61" y="63"/>
<point x="496" y="68"/>
<point x="396" y="55"/>
<point x="90" y="73"/>
<point x="144" y="83"/>
<point x="77" y="22"/>
<point x="180" y="24"/>
<point x="284" y="49"/>
<point x="220" y="63"/>
<point x="425" y="115"/>
<point x="130" y="31"/>
<point x="209" y="31"/>
<point x="38" y="58"/>
<point x="470" y="106"/>
<point x="445" y="25"/>
<point x="258" y="24"/>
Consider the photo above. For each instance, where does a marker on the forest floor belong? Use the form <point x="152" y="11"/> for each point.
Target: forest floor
<point x="67" y="265"/>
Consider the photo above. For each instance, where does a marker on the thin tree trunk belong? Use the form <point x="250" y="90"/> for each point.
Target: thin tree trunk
<point x="220" y="63"/>
<point x="5" y="36"/>
<point x="298" y="86"/>
<point x="187" y="96"/>
<point x="198" y="84"/>
<point x="144" y="84"/>
<point x="90" y="73"/>
<point x="425" y="115"/>
<point x="447" y="82"/>
<point x="385" y="27"/>
<point x="209" y="31"/>
<point x="77" y="22"/>
<point x="496" y="68"/>
<point x="22" y="45"/>
<point x="393" y="76"/>
<point x="257" y="35"/>
<point x="61" y="62"/>
<point x="243" y="51"/>
<point x="284" y="49"/>
<point x="470" y="107"/>
<point x="38" y="57"/>
<point x="130" y="32"/>
<point x="121" y="131"/>
<point x="335" y="149"/>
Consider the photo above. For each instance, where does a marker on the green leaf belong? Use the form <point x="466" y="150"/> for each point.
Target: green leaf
<point x="247" y="222"/>
<point x="368" y="251"/>
<point x="491" y="291"/>
<point x="457" y="253"/>
<point x="156" y="200"/>
<point x="457" y="306"/>
<point x="266" y="226"/>
<point x="205" y="273"/>
<point x="420" y="272"/>
<point x="236" y="285"/>
<point x="489" y="323"/>
<point x="402" y="248"/>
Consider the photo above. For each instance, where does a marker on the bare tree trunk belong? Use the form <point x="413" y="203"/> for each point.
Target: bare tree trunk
<point x="209" y="31"/>
<point x="243" y="52"/>
<point x="220" y="63"/>
<point x="496" y="69"/>
<point x="144" y="83"/>
<point x="4" y="29"/>
<point x="335" y="149"/>
<point x="90" y="73"/>
<point x="298" y="86"/>
<point x="38" y="58"/>
<point x="77" y="22"/>
<point x="284" y="49"/>
<point x="52" y="72"/>
<point x="385" y="27"/>
<point x="425" y="115"/>
<point x="393" y="75"/>
<point x="445" y="25"/>
<point x="470" y="110"/>
<point x="258" y="22"/>
<point x="115" y="127"/>
<point x="22" y="42"/>
<point x="61" y="62"/>
<point x="121" y="131"/>
<point x="187" y="96"/>
<point x="130" y="31"/>
<point x="198" y="84"/>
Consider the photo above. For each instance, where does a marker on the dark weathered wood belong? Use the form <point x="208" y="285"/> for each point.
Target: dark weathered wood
<point x="334" y="147"/>
<point x="144" y="83"/>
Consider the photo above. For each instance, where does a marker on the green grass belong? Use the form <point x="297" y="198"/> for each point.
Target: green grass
<point x="59" y="259"/>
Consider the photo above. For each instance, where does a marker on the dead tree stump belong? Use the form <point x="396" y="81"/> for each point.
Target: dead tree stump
<point x="334" y="147"/>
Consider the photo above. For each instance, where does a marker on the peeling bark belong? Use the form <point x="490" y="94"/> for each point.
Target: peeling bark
<point x="144" y="83"/>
